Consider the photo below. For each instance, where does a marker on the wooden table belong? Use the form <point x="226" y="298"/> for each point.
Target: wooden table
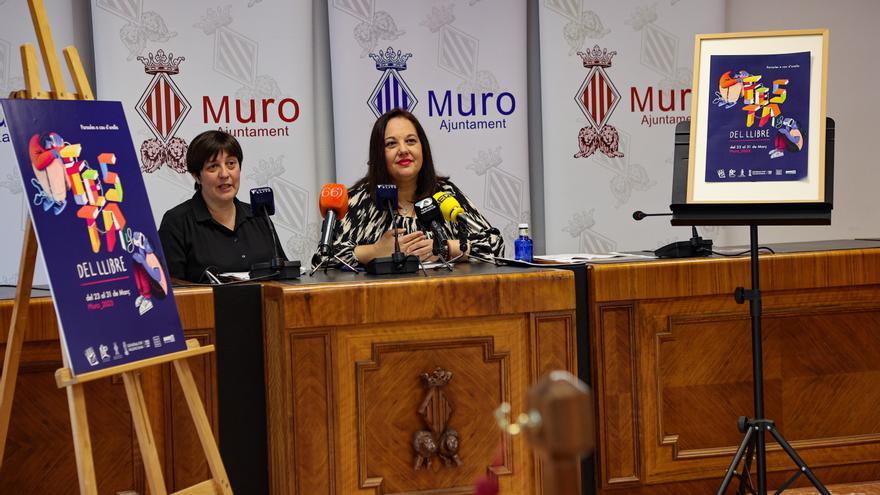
<point x="343" y="365"/>
<point x="672" y="366"/>
<point x="343" y="358"/>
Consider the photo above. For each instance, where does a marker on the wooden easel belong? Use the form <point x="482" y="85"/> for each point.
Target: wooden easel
<point x="219" y="483"/>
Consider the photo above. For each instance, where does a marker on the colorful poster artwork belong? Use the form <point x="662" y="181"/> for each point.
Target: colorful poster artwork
<point x="95" y="229"/>
<point x="757" y="128"/>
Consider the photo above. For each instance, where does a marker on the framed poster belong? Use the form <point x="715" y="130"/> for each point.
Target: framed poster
<point x="757" y="133"/>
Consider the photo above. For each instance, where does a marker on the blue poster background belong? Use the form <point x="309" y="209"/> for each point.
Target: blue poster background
<point x="775" y="151"/>
<point x="115" y="305"/>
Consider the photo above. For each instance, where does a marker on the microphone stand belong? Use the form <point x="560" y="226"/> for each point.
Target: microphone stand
<point x="422" y="268"/>
<point x="398" y="262"/>
<point x="694" y="247"/>
<point x="275" y="239"/>
<point x="462" y="236"/>
<point x="443" y="261"/>
<point x="277" y="267"/>
<point x="397" y="256"/>
<point x="327" y="258"/>
<point x="462" y="240"/>
<point x="440" y="249"/>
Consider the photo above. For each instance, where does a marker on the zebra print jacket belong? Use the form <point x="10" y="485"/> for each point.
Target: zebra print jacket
<point x="365" y="222"/>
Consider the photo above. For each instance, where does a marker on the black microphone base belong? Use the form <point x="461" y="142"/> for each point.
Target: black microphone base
<point x="275" y="270"/>
<point x="685" y="249"/>
<point x="386" y="265"/>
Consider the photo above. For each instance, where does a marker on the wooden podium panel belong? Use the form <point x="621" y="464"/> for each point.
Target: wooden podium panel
<point x="672" y="367"/>
<point x="39" y="453"/>
<point x="342" y="374"/>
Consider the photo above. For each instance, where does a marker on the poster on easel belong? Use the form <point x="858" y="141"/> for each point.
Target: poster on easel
<point x="90" y="210"/>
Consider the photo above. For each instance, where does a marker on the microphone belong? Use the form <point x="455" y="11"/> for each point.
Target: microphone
<point x="386" y="197"/>
<point x="263" y="202"/>
<point x="453" y="212"/>
<point x="333" y="204"/>
<point x="428" y="214"/>
<point x="639" y="214"/>
<point x="696" y="246"/>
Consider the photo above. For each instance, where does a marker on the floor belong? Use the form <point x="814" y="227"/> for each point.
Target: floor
<point x="849" y="489"/>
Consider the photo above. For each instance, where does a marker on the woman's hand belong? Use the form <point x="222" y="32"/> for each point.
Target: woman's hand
<point x="411" y="243"/>
<point x="422" y="247"/>
<point x="383" y="247"/>
<point x="415" y="244"/>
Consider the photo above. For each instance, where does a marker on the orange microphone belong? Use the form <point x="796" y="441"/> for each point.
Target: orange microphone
<point x="334" y="205"/>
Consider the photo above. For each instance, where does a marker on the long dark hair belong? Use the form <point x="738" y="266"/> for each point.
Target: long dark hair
<point x="377" y="171"/>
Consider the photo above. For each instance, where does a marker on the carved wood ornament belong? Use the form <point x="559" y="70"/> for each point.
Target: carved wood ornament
<point x="436" y="409"/>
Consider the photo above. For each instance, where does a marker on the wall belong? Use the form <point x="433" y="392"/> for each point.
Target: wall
<point x="851" y="102"/>
<point x="852" y="75"/>
<point x="71" y="24"/>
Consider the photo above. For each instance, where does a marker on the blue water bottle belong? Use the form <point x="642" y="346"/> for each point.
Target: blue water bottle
<point x="523" y="244"/>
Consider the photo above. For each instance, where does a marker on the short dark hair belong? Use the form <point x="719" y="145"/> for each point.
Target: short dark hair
<point x="377" y="171"/>
<point x="207" y="145"/>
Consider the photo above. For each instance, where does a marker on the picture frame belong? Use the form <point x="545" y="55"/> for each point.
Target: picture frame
<point x="758" y="119"/>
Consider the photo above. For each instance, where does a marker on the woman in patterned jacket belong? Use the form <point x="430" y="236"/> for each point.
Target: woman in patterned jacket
<point x="400" y="154"/>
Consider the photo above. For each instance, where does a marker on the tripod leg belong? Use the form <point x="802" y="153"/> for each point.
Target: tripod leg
<point x="745" y="477"/>
<point x="746" y="443"/>
<point x="319" y="265"/>
<point x="788" y="483"/>
<point x="422" y="267"/>
<point x="802" y="466"/>
<point x="337" y="258"/>
<point x="445" y="263"/>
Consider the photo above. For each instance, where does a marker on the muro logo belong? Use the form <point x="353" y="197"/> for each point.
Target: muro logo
<point x="486" y="110"/>
<point x="456" y="111"/>
<point x="250" y="111"/>
<point x="668" y="101"/>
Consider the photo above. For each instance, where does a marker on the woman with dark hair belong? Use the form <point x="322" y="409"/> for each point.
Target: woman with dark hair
<point x="214" y="231"/>
<point x="400" y="154"/>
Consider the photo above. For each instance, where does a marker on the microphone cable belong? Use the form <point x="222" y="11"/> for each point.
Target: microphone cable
<point x="215" y="280"/>
<point x="747" y="251"/>
<point x="212" y="279"/>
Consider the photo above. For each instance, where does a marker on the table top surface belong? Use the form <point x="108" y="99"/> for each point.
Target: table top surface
<point x="322" y="277"/>
<point x="334" y="276"/>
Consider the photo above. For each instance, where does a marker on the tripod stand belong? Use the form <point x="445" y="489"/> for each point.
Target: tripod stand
<point x="753" y="444"/>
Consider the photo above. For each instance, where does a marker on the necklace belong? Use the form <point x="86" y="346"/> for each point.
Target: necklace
<point x="405" y="210"/>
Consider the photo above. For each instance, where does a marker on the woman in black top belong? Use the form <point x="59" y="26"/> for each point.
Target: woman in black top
<point x="213" y="230"/>
<point x="401" y="155"/>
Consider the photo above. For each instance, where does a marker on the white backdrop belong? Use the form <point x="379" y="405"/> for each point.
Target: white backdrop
<point x="245" y="68"/>
<point x="15" y="29"/>
<point x="589" y="200"/>
<point x="454" y="52"/>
